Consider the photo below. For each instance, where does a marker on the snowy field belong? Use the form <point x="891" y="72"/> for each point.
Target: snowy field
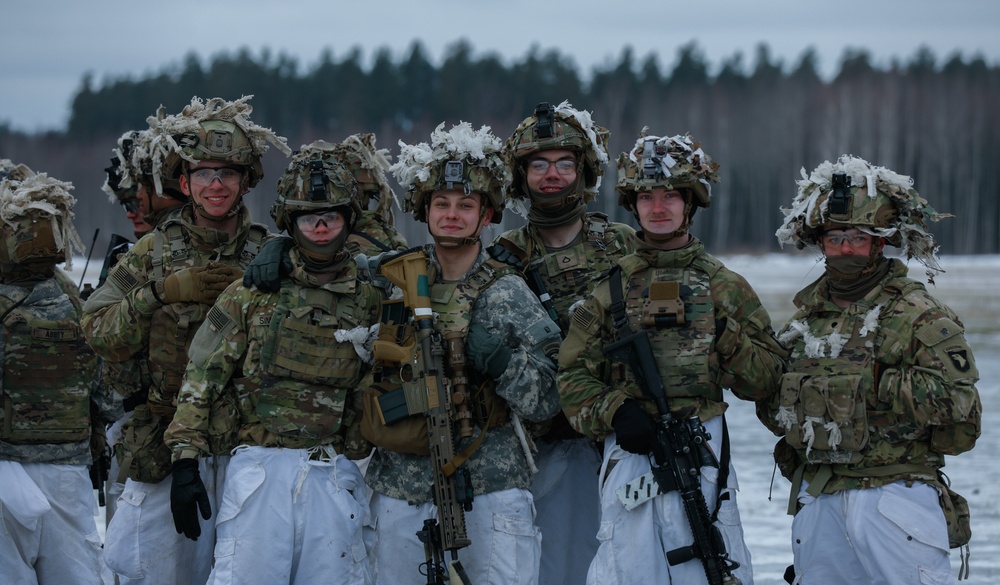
<point x="970" y="286"/>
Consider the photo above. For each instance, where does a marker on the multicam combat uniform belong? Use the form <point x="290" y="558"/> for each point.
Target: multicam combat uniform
<point x="49" y="378"/>
<point x="294" y="503"/>
<point x="373" y="235"/>
<point x="505" y="541"/>
<point x="123" y="319"/>
<point x="875" y="396"/>
<point x="695" y="365"/>
<point x="565" y="487"/>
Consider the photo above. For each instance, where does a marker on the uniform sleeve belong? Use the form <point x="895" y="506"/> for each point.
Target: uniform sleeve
<point x="928" y="374"/>
<point x="749" y="355"/>
<point x="217" y="347"/>
<point x="588" y="399"/>
<point x="509" y="310"/>
<point x="116" y="317"/>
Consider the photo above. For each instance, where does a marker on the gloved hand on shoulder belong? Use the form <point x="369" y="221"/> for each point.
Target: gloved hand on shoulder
<point x="634" y="428"/>
<point x="489" y="353"/>
<point x="270" y="266"/>
<point x="187" y="497"/>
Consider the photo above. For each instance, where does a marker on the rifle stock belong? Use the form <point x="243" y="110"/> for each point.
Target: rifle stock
<point x="680" y="450"/>
<point x="452" y="487"/>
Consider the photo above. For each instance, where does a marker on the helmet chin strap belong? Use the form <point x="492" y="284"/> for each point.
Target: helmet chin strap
<point x="681" y="230"/>
<point x="453" y="242"/>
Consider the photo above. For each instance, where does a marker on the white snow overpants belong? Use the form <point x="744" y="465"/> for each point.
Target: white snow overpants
<point x="505" y="542"/>
<point x="889" y="535"/>
<point x="49" y="534"/>
<point x="286" y="518"/>
<point x="633" y="544"/>
<point x="142" y="545"/>
<point x="568" y="505"/>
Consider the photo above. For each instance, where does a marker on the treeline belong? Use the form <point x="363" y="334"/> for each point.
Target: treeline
<point x="762" y="121"/>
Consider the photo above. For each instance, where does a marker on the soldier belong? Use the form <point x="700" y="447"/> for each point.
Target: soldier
<point x="880" y="387"/>
<point x="557" y="159"/>
<point x="130" y="183"/>
<point x="498" y="336"/>
<point x="375" y="231"/>
<point x="152" y="304"/>
<point x="707" y="330"/>
<point x="296" y="357"/>
<point x="50" y="387"/>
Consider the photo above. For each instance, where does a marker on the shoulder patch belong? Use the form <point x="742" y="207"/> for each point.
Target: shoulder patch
<point x="584" y="319"/>
<point x="937" y="331"/>
<point x="123" y="278"/>
<point x="220" y="321"/>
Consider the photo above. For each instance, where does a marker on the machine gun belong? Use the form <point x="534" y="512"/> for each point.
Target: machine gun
<point x="452" y="484"/>
<point x="680" y="450"/>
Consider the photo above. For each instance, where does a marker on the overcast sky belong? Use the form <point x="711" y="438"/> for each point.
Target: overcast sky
<point x="46" y="46"/>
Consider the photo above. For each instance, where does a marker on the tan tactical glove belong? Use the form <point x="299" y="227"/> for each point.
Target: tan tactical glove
<point x="198" y="284"/>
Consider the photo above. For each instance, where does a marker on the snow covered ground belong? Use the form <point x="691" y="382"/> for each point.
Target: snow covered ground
<point x="970" y="286"/>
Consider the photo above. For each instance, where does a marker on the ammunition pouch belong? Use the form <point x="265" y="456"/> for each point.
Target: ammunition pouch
<point x="388" y="424"/>
<point x="957" y="515"/>
<point x="831" y="417"/>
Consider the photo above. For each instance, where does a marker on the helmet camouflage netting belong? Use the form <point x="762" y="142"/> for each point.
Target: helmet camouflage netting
<point x="216" y="130"/>
<point x="461" y="158"/>
<point x="675" y="162"/>
<point x="315" y="180"/>
<point x="877" y="201"/>
<point x="40" y="198"/>
<point x="14" y="172"/>
<point x="358" y="153"/>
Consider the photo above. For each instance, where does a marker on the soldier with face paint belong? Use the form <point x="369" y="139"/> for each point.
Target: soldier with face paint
<point x="707" y="331"/>
<point x="500" y="342"/>
<point x="153" y="302"/>
<point x="880" y="387"/>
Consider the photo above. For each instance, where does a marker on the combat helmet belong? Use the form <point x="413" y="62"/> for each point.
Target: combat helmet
<point x="675" y="162"/>
<point x="854" y="193"/>
<point x="560" y="128"/>
<point x="369" y="164"/>
<point x="37" y="216"/>
<point x="216" y="130"/>
<point x="461" y="158"/>
<point x="315" y="180"/>
<point x="14" y="172"/>
<point x="134" y="165"/>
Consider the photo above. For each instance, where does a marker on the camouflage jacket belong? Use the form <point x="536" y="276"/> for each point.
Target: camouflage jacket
<point x="920" y="401"/>
<point x="39" y="308"/>
<point x="745" y="357"/>
<point x="372" y="228"/>
<point x="509" y="310"/>
<point x="123" y="319"/>
<point x="571" y="273"/>
<point x="247" y="347"/>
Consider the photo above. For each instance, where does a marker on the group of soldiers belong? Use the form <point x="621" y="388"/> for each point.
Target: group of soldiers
<point x="333" y="406"/>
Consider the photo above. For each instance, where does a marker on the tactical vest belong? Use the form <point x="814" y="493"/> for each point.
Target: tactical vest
<point x="571" y="274"/>
<point x="452" y="303"/>
<point x="828" y="399"/>
<point x="172" y="327"/>
<point x="48" y="368"/>
<point x="306" y="375"/>
<point x="674" y="306"/>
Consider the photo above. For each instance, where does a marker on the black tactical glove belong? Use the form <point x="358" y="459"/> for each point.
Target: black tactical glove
<point x="633" y="428"/>
<point x="489" y="353"/>
<point x="271" y="264"/>
<point x="187" y="496"/>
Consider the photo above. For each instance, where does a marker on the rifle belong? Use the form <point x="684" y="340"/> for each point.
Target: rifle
<point x="87" y="263"/>
<point x="680" y="450"/>
<point x="452" y="484"/>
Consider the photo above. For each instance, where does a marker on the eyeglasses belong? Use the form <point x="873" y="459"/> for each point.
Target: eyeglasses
<point x="855" y="238"/>
<point x="309" y="222"/>
<point x="227" y="176"/>
<point x="540" y="166"/>
<point x="131" y="205"/>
